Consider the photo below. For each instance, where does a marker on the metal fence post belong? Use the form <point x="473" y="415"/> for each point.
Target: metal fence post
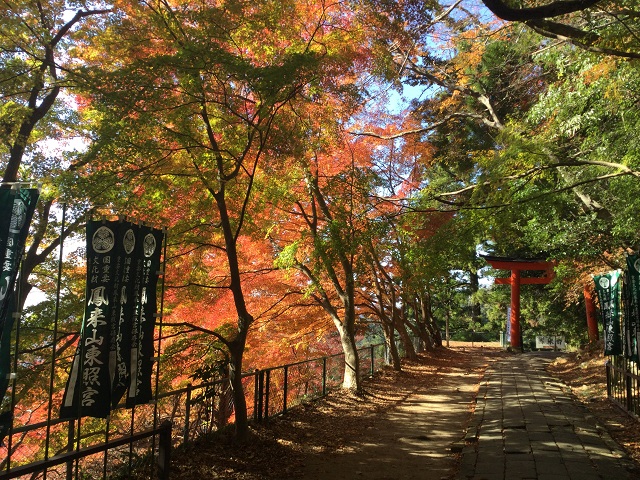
<point x="256" y="394"/>
<point x="634" y="383"/>
<point x="260" y="394"/>
<point x="324" y="376"/>
<point x="285" y="387"/>
<point x="267" y="389"/>
<point x="70" y="441"/>
<point x="373" y="361"/>
<point x="164" y="452"/>
<point x="627" y="384"/>
<point x="187" y="415"/>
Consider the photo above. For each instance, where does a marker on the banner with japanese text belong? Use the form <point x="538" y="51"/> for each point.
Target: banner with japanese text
<point x="142" y="350"/>
<point x="88" y="391"/>
<point x="608" y="290"/>
<point x="116" y="350"/>
<point x="17" y="206"/>
<point x="7" y="196"/>
<point x="131" y="274"/>
<point x="632" y="307"/>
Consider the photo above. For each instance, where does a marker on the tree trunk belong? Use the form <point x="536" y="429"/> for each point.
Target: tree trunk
<point x="429" y="321"/>
<point x="409" y="349"/>
<point x="420" y="329"/>
<point x="236" y="345"/>
<point x="236" y="350"/>
<point x="351" y="379"/>
<point x="476" y="312"/>
<point x="389" y="340"/>
<point x="425" y="313"/>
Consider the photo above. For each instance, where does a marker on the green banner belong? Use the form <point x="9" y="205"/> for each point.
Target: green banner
<point x="18" y="208"/>
<point x="142" y="351"/>
<point x="130" y="280"/>
<point x="608" y="290"/>
<point x="632" y="307"/>
<point x="88" y="391"/>
<point x="7" y="196"/>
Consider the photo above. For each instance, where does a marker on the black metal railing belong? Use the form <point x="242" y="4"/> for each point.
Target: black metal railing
<point x="70" y="458"/>
<point x="138" y="440"/>
<point x="285" y="386"/>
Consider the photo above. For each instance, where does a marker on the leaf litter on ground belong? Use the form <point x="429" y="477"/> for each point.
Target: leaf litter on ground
<point x="277" y="447"/>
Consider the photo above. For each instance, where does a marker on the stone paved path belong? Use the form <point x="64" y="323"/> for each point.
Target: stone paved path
<point x="526" y="426"/>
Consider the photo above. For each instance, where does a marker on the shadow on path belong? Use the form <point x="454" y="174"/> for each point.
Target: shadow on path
<point x="416" y="439"/>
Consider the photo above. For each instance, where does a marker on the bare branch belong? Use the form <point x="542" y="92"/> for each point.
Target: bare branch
<point x="198" y="329"/>
<point x="417" y="131"/>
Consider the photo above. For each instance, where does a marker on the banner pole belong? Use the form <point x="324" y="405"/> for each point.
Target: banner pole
<point x="56" y="317"/>
<point x="81" y="361"/>
<point x="162" y="272"/>
<point x="14" y="375"/>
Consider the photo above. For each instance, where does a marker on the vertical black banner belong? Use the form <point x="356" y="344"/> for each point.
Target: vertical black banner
<point x="16" y="210"/>
<point x="131" y="275"/>
<point x="116" y="349"/>
<point x="632" y="308"/>
<point x="142" y="350"/>
<point x="88" y="391"/>
<point x="7" y="196"/>
<point x="608" y="290"/>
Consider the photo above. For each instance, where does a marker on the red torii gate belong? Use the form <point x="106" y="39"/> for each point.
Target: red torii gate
<point x="515" y="280"/>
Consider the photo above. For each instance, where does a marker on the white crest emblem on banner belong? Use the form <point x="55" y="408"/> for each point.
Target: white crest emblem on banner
<point x="103" y="240"/>
<point x="129" y="241"/>
<point x="18" y="215"/>
<point x="149" y="245"/>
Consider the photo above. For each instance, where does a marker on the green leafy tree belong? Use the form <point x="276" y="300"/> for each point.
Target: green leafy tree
<point x="37" y="78"/>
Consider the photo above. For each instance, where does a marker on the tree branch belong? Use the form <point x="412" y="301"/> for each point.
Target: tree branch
<point x="417" y="131"/>
<point x="553" y="9"/>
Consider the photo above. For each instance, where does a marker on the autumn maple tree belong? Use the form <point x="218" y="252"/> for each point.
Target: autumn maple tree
<point x="194" y="113"/>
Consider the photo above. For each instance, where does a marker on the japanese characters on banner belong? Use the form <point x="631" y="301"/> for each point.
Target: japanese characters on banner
<point x="632" y="307"/>
<point x="116" y="350"/>
<point x="17" y="206"/>
<point x="144" y="320"/>
<point x="608" y="290"/>
<point x="125" y="298"/>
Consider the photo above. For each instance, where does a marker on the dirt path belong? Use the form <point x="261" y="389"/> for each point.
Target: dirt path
<point x="413" y="440"/>
<point x="402" y="428"/>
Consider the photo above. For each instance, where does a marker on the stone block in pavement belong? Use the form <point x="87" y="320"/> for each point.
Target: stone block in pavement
<point x="552" y="476"/>
<point x="484" y="467"/>
<point x="550" y="465"/>
<point x="576" y="469"/>
<point x="520" y="469"/>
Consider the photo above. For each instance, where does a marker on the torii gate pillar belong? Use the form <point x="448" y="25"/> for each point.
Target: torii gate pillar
<point x="514" y="321"/>
<point x="515" y="280"/>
